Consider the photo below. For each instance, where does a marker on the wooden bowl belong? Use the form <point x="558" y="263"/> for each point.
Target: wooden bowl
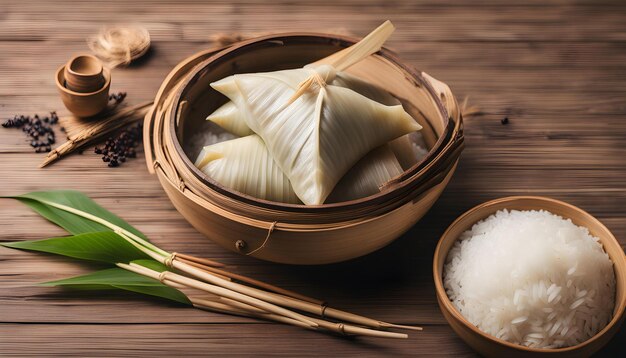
<point x="287" y="233"/>
<point x="490" y="346"/>
<point x="83" y="104"/>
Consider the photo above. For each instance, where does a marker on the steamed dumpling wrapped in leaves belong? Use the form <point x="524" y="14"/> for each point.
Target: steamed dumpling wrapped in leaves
<point x="318" y="132"/>
<point x="409" y="149"/>
<point x="231" y="119"/>
<point x="245" y="165"/>
<point x="363" y="179"/>
<point x="318" y="137"/>
<point x="367" y="175"/>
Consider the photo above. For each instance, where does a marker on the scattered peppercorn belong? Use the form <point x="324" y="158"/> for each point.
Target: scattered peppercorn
<point x="116" y="150"/>
<point x="41" y="134"/>
<point x="117" y="97"/>
<point x="39" y="130"/>
<point x="505" y="120"/>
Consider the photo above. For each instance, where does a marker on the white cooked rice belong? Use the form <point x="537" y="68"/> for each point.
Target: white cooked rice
<point x="531" y="278"/>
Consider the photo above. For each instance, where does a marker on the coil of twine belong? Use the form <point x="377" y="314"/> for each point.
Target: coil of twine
<point x="120" y="44"/>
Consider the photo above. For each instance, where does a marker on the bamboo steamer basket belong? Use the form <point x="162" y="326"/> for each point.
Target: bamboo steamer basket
<point x="289" y="233"/>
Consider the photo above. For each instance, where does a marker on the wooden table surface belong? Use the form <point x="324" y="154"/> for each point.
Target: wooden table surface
<point x="556" y="69"/>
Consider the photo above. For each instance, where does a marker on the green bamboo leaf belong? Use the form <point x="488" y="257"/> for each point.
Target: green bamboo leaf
<point x="159" y="291"/>
<point x="117" y="278"/>
<point x="73" y="223"/>
<point x="106" y="277"/>
<point x="105" y="246"/>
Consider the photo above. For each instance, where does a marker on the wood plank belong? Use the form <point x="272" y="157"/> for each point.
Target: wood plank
<point x="194" y="22"/>
<point x="201" y="340"/>
<point x="208" y="339"/>
<point x="556" y="79"/>
<point x="557" y="69"/>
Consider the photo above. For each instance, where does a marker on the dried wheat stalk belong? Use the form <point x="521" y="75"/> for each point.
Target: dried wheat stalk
<point x="92" y="132"/>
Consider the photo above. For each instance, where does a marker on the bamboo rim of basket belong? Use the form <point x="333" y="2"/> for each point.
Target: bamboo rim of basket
<point x="179" y="171"/>
<point x="415" y="76"/>
<point x="267" y="225"/>
<point x="394" y="193"/>
<point x="170" y="81"/>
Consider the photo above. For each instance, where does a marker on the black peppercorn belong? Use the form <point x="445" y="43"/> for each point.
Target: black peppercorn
<point x="117" y="97"/>
<point x="117" y="150"/>
<point x="505" y="120"/>
<point x="38" y="129"/>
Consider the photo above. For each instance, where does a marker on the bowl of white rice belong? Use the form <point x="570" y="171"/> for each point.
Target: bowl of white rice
<point x="522" y="275"/>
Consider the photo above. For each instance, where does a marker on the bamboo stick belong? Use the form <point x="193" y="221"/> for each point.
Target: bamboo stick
<point x="275" y="298"/>
<point x="248" y="280"/>
<point x="325" y="311"/>
<point x="200" y="260"/>
<point x="355" y="330"/>
<point x="340" y="328"/>
<point x="224" y="308"/>
<point x="214" y="280"/>
<point x="347" y="57"/>
<point x="220" y="291"/>
<point x="400" y="326"/>
<point x="155" y="275"/>
<point x="233" y="303"/>
<point x="208" y="268"/>
<point x="285" y="301"/>
<point x="154" y="255"/>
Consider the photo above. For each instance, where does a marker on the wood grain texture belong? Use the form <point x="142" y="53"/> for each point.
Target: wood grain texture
<point x="556" y="69"/>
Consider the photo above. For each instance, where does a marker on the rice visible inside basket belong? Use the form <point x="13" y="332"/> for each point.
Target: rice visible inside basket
<point x="531" y="278"/>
